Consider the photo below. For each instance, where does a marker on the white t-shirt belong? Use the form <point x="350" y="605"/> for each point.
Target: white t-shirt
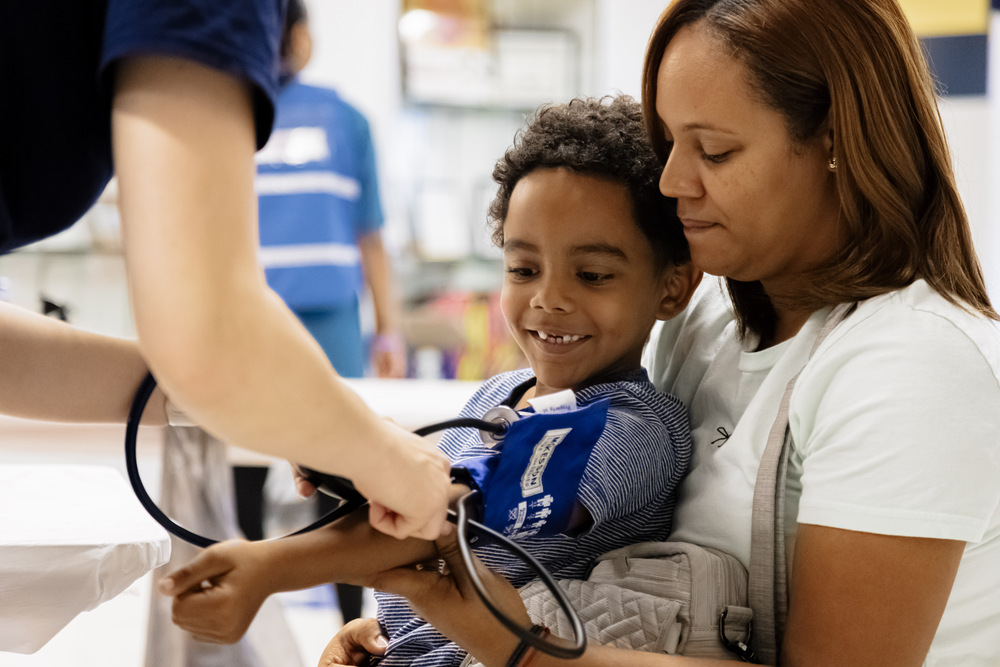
<point x="896" y="425"/>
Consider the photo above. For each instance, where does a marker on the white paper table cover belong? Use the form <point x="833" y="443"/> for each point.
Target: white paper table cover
<point x="71" y="537"/>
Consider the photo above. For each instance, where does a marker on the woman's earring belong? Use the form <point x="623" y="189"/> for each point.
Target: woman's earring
<point x="832" y="164"/>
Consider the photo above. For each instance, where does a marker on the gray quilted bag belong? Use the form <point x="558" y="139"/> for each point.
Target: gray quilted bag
<point x="654" y="596"/>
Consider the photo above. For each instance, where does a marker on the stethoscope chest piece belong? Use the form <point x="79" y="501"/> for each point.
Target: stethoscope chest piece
<point x="501" y="415"/>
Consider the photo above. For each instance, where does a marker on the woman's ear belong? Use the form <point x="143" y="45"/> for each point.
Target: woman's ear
<point x="679" y="284"/>
<point x="827" y="133"/>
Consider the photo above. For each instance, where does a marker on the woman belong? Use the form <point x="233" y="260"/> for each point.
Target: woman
<point x="803" y="145"/>
<point x="177" y="96"/>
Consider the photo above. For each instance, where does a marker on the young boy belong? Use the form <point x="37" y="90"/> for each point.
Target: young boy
<point x="593" y="255"/>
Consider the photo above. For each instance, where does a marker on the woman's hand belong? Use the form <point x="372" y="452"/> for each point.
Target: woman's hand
<point x="354" y="644"/>
<point x="442" y="593"/>
<point x="217" y="595"/>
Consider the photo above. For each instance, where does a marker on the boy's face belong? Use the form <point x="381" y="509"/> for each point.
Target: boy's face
<point x="581" y="289"/>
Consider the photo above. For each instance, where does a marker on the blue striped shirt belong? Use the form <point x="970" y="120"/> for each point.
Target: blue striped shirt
<point x="628" y="488"/>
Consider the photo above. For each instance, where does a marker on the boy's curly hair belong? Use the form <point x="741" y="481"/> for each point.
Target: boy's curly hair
<point x="603" y="137"/>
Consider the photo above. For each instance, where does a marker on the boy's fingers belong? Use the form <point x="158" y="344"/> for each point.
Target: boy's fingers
<point x="369" y="635"/>
<point x="190" y="578"/>
<point x="355" y="642"/>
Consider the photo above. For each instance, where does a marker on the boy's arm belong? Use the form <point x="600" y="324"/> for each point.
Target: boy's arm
<point x="218" y="594"/>
<point x="635" y="465"/>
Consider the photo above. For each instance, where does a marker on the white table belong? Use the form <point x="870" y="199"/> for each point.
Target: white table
<point x="71" y="537"/>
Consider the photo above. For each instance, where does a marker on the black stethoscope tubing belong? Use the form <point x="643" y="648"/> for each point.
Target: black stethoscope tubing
<point x="354" y="500"/>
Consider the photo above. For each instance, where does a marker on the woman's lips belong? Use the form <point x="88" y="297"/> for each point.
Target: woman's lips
<point x="691" y="224"/>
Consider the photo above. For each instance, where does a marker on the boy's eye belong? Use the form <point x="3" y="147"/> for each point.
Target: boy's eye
<point x="520" y="272"/>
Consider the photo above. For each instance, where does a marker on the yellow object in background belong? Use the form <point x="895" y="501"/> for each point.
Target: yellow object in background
<point x="940" y="18"/>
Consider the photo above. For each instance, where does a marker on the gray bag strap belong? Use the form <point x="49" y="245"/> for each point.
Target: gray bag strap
<point x="768" y="585"/>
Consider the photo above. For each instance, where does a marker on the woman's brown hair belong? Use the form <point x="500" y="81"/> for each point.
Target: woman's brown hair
<point x="855" y="67"/>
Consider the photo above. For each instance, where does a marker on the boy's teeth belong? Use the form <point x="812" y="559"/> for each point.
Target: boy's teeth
<point x="562" y="340"/>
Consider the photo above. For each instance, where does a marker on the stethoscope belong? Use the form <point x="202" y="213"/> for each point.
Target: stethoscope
<point x="493" y="427"/>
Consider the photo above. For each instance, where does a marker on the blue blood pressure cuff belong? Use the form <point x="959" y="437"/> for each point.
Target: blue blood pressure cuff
<point x="530" y="486"/>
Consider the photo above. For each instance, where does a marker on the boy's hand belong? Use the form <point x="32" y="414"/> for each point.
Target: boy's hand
<point x="354" y="644"/>
<point x="303" y="486"/>
<point x="217" y="595"/>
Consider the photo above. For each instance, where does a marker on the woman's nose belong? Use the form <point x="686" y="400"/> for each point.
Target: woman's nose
<point x="678" y="179"/>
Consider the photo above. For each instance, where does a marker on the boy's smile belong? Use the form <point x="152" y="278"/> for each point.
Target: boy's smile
<point x="581" y="287"/>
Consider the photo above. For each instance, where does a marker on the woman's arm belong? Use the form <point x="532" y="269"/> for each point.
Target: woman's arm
<point x="223" y="346"/>
<point x="856" y="599"/>
<point x="861" y="598"/>
<point x="450" y="603"/>
<point x="53" y="371"/>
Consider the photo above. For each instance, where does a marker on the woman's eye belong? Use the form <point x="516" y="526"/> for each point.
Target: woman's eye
<point x="715" y="158"/>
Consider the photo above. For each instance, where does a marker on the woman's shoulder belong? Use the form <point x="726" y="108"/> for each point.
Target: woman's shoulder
<point x="920" y="319"/>
<point x="909" y="358"/>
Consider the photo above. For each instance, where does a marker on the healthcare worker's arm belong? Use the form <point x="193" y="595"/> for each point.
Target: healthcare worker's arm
<point x="56" y="372"/>
<point x="224" y="347"/>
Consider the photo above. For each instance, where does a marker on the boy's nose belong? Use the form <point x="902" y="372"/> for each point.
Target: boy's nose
<point x="552" y="296"/>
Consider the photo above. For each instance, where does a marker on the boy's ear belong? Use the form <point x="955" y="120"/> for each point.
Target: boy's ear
<point x="679" y="284"/>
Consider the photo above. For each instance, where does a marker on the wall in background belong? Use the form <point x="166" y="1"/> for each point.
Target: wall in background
<point x="436" y="163"/>
<point x="357" y="51"/>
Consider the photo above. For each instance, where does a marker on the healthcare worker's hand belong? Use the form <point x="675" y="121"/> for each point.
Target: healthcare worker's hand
<point x="408" y="488"/>
<point x="354" y="644"/>
<point x="217" y="595"/>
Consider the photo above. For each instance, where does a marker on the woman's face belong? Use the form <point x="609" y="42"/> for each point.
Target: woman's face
<point x="756" y="204"/>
